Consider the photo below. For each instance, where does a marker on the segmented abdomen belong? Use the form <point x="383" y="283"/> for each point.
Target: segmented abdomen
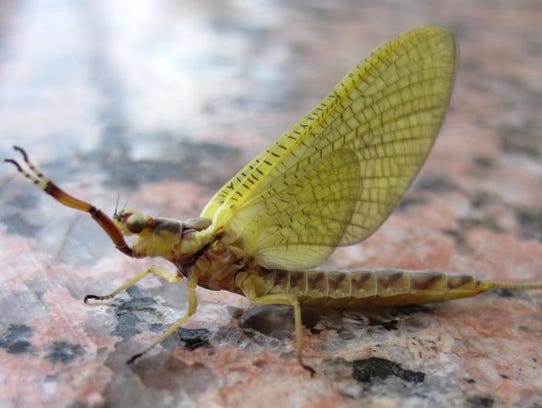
<point x="366" y="288"/>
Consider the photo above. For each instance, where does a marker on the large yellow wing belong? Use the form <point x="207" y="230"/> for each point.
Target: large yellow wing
<point x="337" y="174"/>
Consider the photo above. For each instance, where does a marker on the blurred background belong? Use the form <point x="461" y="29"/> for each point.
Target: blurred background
<point x="161" y="101"/>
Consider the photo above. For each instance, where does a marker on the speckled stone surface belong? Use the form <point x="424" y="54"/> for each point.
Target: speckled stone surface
<point x="160" y="102"/>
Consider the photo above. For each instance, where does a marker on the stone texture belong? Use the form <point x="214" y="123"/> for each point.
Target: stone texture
<point x="160" y="102"/>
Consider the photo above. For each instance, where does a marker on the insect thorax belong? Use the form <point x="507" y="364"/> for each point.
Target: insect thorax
<point x="218" y="263"/>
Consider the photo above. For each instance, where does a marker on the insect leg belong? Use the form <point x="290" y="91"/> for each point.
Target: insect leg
<point x="290" y="300"/>
<point x="192" y="307"/>
<point x="160" y="271"/>
<point x="40" y="180"/>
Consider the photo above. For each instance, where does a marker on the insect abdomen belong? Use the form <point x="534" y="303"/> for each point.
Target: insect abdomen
<point x="368" y="288"/>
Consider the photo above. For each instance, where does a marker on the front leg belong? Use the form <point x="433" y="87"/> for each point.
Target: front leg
<point x="159" y="271"/>
<point x="40" y="180"/>
<point x="192" y="307"/>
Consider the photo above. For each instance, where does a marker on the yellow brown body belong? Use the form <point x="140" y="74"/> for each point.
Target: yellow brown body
<point x="358" y="289"/>
<point x="221" y="266"/>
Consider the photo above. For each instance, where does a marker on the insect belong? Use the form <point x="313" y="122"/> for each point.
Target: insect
<point x="330" y="180"/>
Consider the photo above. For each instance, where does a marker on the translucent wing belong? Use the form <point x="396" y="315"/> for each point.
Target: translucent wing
<point x="336" y="175"/>
<point x="300" y="216"/>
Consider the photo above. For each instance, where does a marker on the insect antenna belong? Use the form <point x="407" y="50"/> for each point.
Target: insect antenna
<point x="125" y="205"/>
<point x="116" y="205"/>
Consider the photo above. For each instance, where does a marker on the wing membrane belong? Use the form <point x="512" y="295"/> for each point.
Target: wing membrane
<point x="386" y="113"/>
<point x="297" y="218"/>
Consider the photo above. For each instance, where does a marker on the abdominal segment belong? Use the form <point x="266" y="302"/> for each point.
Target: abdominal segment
<point x="369" y="288"/>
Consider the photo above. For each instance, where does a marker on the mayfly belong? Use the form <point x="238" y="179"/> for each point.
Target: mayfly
<point x="330" y="180"/>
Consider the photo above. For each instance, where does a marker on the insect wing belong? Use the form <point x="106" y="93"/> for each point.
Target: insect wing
<point x="297" y="218"/>
<point x="378" y="125"/>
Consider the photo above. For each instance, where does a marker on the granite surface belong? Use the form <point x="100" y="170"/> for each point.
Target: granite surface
<point x="158" y="103"/>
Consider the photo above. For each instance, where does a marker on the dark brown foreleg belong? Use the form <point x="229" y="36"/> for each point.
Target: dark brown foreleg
<point x="36" y="177"/>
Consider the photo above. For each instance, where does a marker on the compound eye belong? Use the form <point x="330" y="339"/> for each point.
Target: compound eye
<point x="135" y="223"/>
